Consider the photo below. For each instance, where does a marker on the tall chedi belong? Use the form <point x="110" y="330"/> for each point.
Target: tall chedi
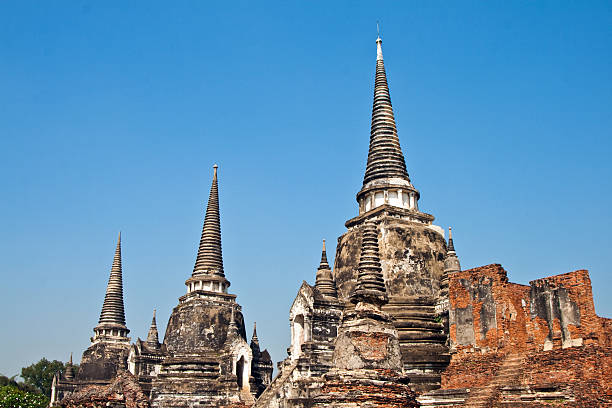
<point x="367" y="367"/>
<point x="412" y="249"/>
<point x="110" y="344"/>
<point x="208" y="360"/>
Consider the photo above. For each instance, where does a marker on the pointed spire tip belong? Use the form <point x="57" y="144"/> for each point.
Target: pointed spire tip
<point x="379" y="54"/>
<point x="113" y="311"/>
<point x="210" y="258"/>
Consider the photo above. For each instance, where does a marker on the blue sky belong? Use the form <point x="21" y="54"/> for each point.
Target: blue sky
<point x="112" y="115"/>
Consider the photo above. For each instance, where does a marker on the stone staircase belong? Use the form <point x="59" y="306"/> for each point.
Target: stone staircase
<point x="508" y="374"/>
<point x="246" y="397"/>
<point x="423" y="341"/>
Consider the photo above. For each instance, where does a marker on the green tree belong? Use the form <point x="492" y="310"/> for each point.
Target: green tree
<point x="12" y="397"/>
<point x="40" y="375"/>
<point x="4" y="381"/>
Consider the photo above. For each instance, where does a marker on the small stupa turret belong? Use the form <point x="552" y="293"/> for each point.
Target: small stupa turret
<point x="255" y="341"/>
<point x="370" y="286"/>
<point x="367" y="361"/>
<point x="69" y="372"/>
<point x="325" y="279"/>
<point x="451" y="262"/>
<point x="451" y="265"/>
<point x="233" y="330"/>
<point x="153" y="335"/>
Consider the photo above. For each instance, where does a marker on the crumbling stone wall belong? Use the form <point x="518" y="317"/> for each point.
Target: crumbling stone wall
<point x="123" y="392"/>
<point x="606" y="336"/>
<point x="587" y="370"/>
<point x="471" y="372"/>
<point x="487" y="312"/>
<point x="571" y="377"/>
<point x="563" y="311"/>
<point x="526" y="345"/>
<point x="490" y="314"/>
<point x="340" y="392"/>
<point x="102" y="361"/>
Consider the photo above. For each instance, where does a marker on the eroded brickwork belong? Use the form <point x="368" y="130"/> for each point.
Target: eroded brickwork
<point x="471" y="372"/>
<point x="587" y="369"/>
<point x="525" y="346"/>
<point x="490" y="314"/>
<point x="123" y="392"/>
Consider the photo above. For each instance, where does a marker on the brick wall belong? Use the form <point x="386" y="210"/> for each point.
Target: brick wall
<point x="490" y="314"/>
<point x="571" y="314"/>
<point x="587" y="369"/>
<point x="551" y="323"/>
<point x="487" y="313"/>
<point x="471" y="371"/>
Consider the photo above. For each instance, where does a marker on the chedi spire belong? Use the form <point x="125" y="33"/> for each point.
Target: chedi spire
<point x="210" y="257"/>
<point x="451" y="262"/>
<point x="208" y="275"/>
<point x="386" y="180"/>
<point x="233" y="330"/>
<point x="385" y="157"/>
<point x="370" y="287"/>
<point x="153" y="335"/>
<point x="69" y="372"/>
<point x="112" y="317"/>
<point x="325" y="280"/>
<point x="255" y="339"/>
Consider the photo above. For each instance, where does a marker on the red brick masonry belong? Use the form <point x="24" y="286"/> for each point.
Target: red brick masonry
<point x="551" y="324"/>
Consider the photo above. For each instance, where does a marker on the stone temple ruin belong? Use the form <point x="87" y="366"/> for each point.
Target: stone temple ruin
<point x="397" y="323"/>
<point x="204" y="360"/>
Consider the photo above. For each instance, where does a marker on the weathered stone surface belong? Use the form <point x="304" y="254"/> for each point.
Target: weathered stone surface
<point x="123" y="392"/>
<point x="200" y="325"/>
<point x="261" y="367"/>
<point x="412" y="258"/>
<point x="208" y="361"/>
<point x="367" y="340"/>
<point x="314" y="318"/>
<point x="367" y="369"/>
<point x="411" y="254"/>
<point x="383" y="390"/>
<point x="102" y="361"/>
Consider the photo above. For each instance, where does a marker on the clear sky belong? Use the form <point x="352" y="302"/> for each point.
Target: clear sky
<point x="113" y="113"/>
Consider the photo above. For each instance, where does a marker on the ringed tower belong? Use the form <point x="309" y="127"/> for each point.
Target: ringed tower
<point x="412" y="248"/>
<point x="207" y="361"/>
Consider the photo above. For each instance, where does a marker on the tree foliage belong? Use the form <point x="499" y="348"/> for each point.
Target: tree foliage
<point x="40" y="374"/>
<point x="6" y="381"/>
<point x="12" y="397"/>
